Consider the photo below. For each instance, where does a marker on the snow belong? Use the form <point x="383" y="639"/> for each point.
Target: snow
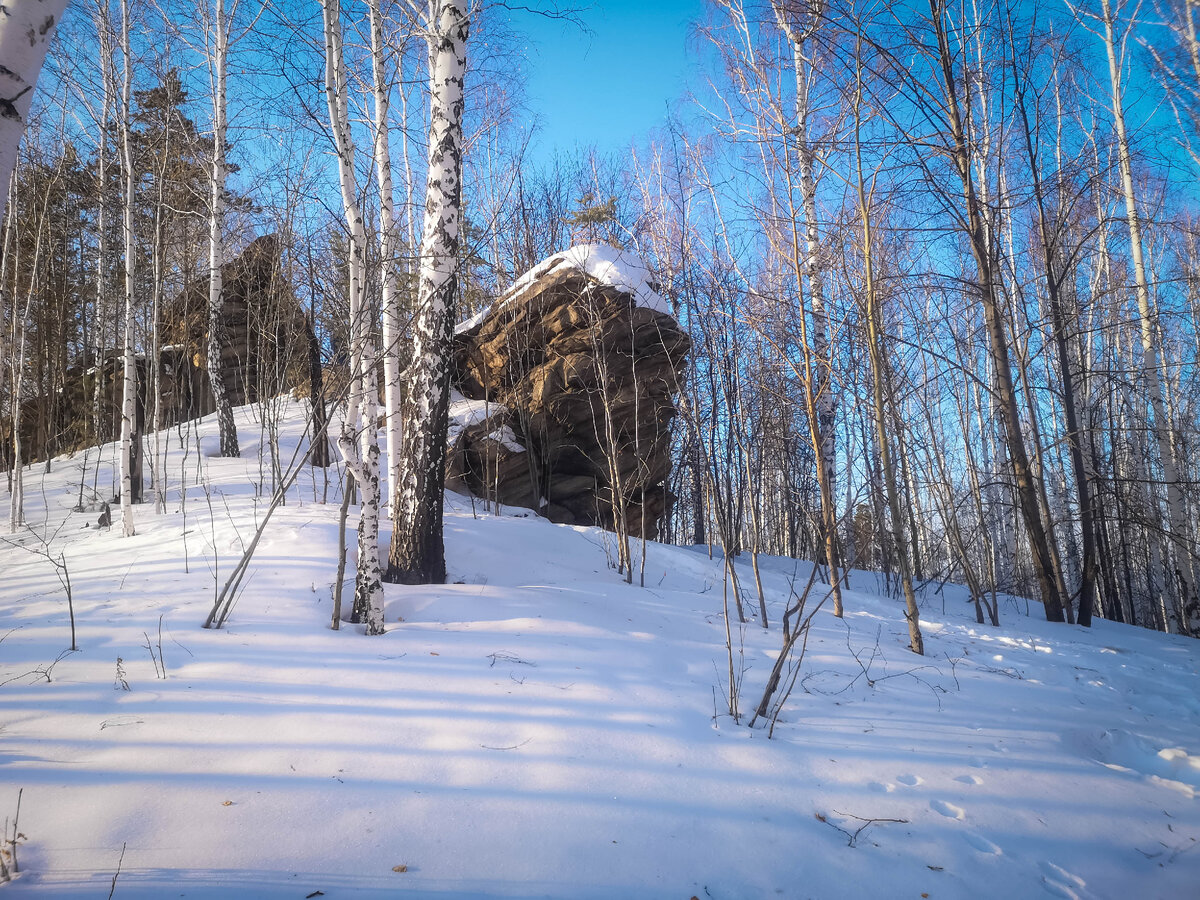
<point x="604" y="263"/>
<point x="465" y="412"/>
<point x="537" y="728"/>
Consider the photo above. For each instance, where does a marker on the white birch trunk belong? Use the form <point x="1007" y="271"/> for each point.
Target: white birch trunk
<point x="359" y="439"/>
<point x="417" y="553"/>
<point x="368" y="583"/>
<point x="101" y="312"/>
<point x="387" y="250"/>
<point x="26" y="28"/>
<point x="129" y="393"/>
<point x="17" y="498"/>
<point x="410" y="215"/>
<point x="218" y="62"/>
<point x="821" y="399"/>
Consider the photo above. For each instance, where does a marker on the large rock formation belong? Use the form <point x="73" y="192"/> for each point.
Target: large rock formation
<point x="266" y="334"/>
<point x="567" y="388"/>
<point x="265" y="354"/>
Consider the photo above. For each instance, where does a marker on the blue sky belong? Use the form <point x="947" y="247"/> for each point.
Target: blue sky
<point x="609" y="85"/>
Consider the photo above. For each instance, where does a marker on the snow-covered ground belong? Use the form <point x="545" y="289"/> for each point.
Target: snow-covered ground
<point x="540" y="729"/>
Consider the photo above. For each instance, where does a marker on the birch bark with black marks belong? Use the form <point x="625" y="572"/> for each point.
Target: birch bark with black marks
<point x="417" y="554"/>
<point x="392" y="318"/>
<point x="130" y="478"/>
<point x="359" y="437"/>
<point x="218" y="66"/>
<point x="26" y="29"/>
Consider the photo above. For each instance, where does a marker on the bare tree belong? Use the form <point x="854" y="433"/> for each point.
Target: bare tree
<point x="881" y="381"/>
<point x="799" y="22"/>
<point x="1182" y="541"/>
<point x="971" y="219"/>
<point x="218" y="62"/>
<point x="359" y="439"/>
<point x="417" y="553"/>
<point x="388" y="245"/>
<point x="131" y="487"/>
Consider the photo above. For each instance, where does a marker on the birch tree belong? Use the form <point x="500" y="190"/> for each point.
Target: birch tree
<point x="359" y="438"/>
<point x="417" y="554"/>
<point x="798" y="23"/>
<point x="101" y="425"/>
<point x="387" y="245"/>
<point x="218" y="60"/>
<point x="129" y="437"/>
<point x="20" y="336"/>
<point x="26" y="29"/>
<point x="971" y="219"/>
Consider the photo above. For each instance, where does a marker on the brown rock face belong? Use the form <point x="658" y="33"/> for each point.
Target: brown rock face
<point x="585" y="379"/>
<point x="265" y="349"/>
<point x="266" y="353"/>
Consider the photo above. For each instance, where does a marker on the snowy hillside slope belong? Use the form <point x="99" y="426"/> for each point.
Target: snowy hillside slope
<point x="540" y="729"/>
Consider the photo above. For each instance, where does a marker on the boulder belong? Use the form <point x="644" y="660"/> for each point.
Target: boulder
<point x="566" y="393"/>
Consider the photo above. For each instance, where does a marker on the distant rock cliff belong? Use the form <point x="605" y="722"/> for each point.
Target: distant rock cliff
<point x="265" y="354"/>
<point x="266" y="335"/>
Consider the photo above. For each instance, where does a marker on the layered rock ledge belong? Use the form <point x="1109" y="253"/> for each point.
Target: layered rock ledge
<point x="566" y="393"/>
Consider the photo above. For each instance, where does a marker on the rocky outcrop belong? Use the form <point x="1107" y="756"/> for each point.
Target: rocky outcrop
<point x="567" y="393"/>
<point x="266" y="335"/>
<point x="265" y="355"/>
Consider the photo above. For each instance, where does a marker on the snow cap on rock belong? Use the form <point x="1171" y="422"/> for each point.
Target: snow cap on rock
<point x="604" y="263"/>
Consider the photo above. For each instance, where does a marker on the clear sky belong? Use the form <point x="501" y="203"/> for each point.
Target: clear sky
<point x="609" y="85"/>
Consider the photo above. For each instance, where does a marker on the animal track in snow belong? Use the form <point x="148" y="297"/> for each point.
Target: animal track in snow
<point x="1061" y="883"/>
<point x="949" y="810"/>
<point x="982" y="844"/>
<point x="910" y="780"/>
<point x="969" y="779"/>
<point x="880" y="787"/>
<point x="1171" y="767"/>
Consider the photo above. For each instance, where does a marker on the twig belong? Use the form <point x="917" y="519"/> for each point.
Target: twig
<point x="16" y="835"/>
<point x="160" y="668"/>
<point x="43" y="671"/>
<point x="508" y="658"/>
<point x="9" y="847"/>
<point x="867" y="823"/>
<point x="224" y="601"/>
<point x="513" y="747"/>
<point x="112" y="889"/>
<point x="60" y="569"/>
<point x="119" y="682"/>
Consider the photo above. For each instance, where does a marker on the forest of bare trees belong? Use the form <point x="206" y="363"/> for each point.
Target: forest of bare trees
<point x="938" y="263"/>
